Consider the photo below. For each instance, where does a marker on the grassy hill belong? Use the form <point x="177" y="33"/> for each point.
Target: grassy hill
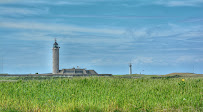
<point x="171" y="75"/>
<point x="185" y="74"/>
<point x="136" y="76"/>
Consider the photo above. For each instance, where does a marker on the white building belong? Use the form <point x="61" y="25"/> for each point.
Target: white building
<point x="73" y="71"/>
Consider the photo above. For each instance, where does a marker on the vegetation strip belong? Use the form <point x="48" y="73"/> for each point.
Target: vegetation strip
<point x="102" y="94"/>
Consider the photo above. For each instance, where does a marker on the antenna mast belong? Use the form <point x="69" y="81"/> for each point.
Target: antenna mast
<point x="130" y="68"/>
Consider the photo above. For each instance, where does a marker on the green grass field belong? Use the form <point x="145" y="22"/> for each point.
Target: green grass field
<point x="101" y="94"/>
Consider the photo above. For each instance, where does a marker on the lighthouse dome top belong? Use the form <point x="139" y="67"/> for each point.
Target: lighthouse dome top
<point x="55" y="45"/>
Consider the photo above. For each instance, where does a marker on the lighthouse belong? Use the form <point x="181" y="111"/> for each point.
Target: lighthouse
<point x="130" y="68"/>
<point x="55" y="58"/>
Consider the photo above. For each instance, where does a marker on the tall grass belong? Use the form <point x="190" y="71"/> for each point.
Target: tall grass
<point x="102" y="94"/>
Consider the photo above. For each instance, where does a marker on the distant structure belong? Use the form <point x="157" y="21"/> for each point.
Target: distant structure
<point x="55" y="58"/>
<point x="74" y="71"/>
<point x="130" y="68"/>
<point x="77" y="71"/>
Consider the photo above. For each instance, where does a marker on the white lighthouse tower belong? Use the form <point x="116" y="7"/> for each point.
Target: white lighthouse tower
<point x="130" y="68"/>
<point x="55" y="58"/>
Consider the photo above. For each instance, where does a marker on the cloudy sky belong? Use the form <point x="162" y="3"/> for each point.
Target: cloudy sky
<point x="157" y="36"/>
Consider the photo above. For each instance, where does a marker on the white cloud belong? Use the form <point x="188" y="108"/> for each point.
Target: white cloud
<point x="181" y="59"/>
<point x="143" y="60"/>
<point x="40" y="31"/>
<point x="9" y="1"/>
<point x="189" y="58"/>
<point x="22" y="11"/>
<point x="174" y="3"/>
<point x="170" y="3"/>
<point x="171" y="31"/>
<point x="152" y="60"/>
<point x="192" y="34"/>
<point x="45" y="2"/>
<point x="57" y="2"/>
<point x="58" y="27"/>
<point x="192" y="20"/>
<point x="32" y="36"/>
<point x="107" y="61"/>
<point x="47" y="36"/>
<point x="167" y="59"/>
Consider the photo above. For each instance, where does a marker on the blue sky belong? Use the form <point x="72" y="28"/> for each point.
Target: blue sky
<point x="157" y="36"/>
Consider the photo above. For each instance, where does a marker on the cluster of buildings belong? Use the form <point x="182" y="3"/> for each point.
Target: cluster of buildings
<point x="72" y="71"/>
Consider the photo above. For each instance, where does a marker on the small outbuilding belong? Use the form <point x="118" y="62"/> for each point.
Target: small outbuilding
<point x="77" y="71"/>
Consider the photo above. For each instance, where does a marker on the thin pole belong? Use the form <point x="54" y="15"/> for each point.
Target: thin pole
<point x="130" y="69"/>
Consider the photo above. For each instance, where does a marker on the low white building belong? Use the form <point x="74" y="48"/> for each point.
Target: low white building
<point x="73" y="71"/>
